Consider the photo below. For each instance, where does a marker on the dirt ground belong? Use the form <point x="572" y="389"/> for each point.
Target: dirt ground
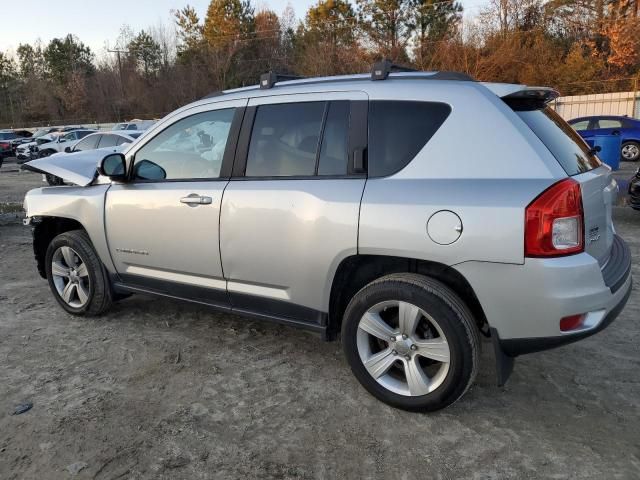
<point x="162" y="389"/>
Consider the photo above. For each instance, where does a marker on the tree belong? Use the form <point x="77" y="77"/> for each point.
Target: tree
<point x="146" y="53"/>
<point x="328" y="39"/>
<point x="30" y="60"/>
<point x="433" y="21"/>
<point x="387" y="25"/>
<point x="190" y="32"/>
<point x="8" y="85"/>
<point x="227" y="23"/>
<point x="228" y="28"/>
<point x="64" y="56"/>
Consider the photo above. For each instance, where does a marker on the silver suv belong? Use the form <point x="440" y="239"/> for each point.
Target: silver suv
<point x="408" y="213"/>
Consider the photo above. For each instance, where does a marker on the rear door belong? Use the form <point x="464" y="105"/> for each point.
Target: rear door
<point x="290" y="212"/>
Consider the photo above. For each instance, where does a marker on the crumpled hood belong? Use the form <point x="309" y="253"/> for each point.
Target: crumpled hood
<point x="78" y="167"/>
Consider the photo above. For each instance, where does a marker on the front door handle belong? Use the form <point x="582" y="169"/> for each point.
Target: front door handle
<point x="194" y="200"/>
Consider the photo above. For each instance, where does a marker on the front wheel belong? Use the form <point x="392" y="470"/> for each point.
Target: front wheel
<point x="630" y="151"/>
<point x="411" y="342"/>
<point x="76" y="276"/>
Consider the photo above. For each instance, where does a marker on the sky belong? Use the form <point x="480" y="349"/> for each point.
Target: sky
<point x="97" y="23"/>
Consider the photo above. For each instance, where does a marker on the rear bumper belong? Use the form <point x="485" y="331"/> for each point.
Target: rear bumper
<point x="524" y="303"/>
<point x="520" y="346"/>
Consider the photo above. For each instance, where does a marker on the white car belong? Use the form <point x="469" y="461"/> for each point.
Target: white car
<point x="134" y="125"/>
<point x="61" y="142"/>
<point x="29" y="151"/>
<point x="101" y="142"/>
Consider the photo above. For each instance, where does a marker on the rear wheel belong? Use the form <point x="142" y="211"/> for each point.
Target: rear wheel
<point x="76" y="275"/>
<point x="411" y="342"/>
<point x="630" y="151"/>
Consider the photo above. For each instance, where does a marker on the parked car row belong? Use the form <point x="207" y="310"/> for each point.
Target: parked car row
<point x="98" y="141"/>
<point x="48" y="141"/>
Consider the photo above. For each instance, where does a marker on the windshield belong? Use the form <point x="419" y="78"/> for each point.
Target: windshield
<point x="7" y="135"/>
<point x="41" y="132"/>
<point x="563" y="142"/>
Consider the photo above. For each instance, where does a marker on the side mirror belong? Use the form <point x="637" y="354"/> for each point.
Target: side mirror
<point x="113" y="166"/>
<point x="67" y="149"/>
<point x="147" y="170"/>
<point x="61" y="140"/>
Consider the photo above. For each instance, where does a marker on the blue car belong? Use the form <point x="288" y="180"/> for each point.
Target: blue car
<point x="628" y="128"/>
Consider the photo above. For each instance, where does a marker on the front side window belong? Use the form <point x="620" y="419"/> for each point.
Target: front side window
<point x="284" y="140"/>
<point x="191" y="148"/>
<point x="335" y="140"/>
<point x="398" y="130"/>
<point x="581" y="125"/>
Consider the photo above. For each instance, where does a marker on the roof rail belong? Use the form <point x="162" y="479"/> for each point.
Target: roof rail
<point x="269" y="79"/>
<point x="381" y="70"/>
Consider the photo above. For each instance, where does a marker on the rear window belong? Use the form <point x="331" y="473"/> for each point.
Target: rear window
<point x="398" y="130"/>
<point x="563" y="142"/>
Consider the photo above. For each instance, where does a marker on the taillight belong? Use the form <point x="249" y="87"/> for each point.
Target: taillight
<point x="554" y="222"/>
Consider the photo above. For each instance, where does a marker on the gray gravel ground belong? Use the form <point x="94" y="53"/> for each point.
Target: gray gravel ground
<point x="161" y="389"/>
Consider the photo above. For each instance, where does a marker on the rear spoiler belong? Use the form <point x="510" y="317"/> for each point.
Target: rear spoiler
<point x="541" y="94"/>
<point x="514" y="92"/>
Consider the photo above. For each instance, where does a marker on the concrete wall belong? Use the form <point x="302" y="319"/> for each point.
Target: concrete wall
<point x="618" y="103"/>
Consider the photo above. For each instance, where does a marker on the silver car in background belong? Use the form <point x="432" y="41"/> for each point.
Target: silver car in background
<point x="346" y="205"/>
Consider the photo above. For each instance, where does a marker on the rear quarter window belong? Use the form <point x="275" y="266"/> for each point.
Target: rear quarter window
<point x="398" y="130"/>
<point x="564" y="143"/>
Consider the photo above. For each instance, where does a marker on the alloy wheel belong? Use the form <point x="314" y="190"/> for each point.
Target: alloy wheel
<point x="403" y="348"/>
<point x="630" y="151"/>
<point x="70" y="277"/>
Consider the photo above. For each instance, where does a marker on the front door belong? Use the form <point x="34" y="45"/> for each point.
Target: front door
<point x="162" y="225"/>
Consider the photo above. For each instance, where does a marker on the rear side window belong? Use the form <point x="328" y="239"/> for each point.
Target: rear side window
<point x="108" y="141"/>
<point x="398" y="130"/>
<point x="609" y="123"/>
<point x="88" y="143"/>
<point x="563" y="142"/>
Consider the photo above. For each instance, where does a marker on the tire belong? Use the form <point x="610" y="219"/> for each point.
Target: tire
<point x="439" y="313"/>
<point x="91" y="295"/>
<point x="630" y="151"/>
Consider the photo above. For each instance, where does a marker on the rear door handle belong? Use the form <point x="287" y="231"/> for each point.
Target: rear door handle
<point x="194" y="200"/>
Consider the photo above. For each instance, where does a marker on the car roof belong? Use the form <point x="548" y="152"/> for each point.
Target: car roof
<point x="366" y="83"/>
